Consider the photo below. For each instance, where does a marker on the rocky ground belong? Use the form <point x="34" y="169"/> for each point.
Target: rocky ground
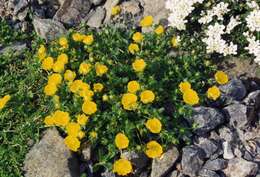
<point x="226" y="141"/>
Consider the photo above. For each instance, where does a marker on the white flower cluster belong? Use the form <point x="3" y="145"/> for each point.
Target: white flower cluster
<point x="253" y="20"/>
<point x="219" y="10"/>
<point x="215" y="43"/>
<point x="252" y="4"/>
<point x="180" y="9"/>
<point x="253" y="46"/>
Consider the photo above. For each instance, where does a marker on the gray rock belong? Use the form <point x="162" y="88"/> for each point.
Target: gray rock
<point x="132" y="7"/>
<point x="96" y="2"/>
<point x="226" y="134"/>
<point x="192" y="160"/>
<point x="228" y="151"/>
<point x="208" y="173"/>
<point x="86" y="152"/>
<point x="50" y="158"/>
<point x="155" y="8"/>
<point x="48" y="29"/>
<point x="139" y="160"/>
<point x="206" y="119"/>
<point x="253" y="99"/>
<point x="217" y="164"/>
<point x="235" y="89"/>
<point x="72" y="12"/>
<point x="108" y="6"/>
<point x="210" y="147"/>
<point x="20" y="6"/>
<point x="96" y="19"/>
<point x="14" y="48"/>
<point x="161" y="166"/>
<point x="239" y="167"/>
<point x="238" y="115"/>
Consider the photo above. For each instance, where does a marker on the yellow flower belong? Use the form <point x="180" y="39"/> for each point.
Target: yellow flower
<point x="133" y="86"/>
<point x="133" y="48"/>
<point x="190" y="97"/>
<point x="105" y="97"/>
<point x="122" y="167"/>
<point x="175" y="41"/>
<point x="129" y="101"/>
<point x="82" y="119"/>
<point x="88" y="39"/>
<point x="4" y="100"/>
<point x="137" y="37"/>
<point x="221" y="77"/>
<point x="213" y="93"/>
<point x="73" y="129"/>
<point x="147" y="96"/>
<point x="63" y="42"/>
<point x="121" y="141"/>
<point x="84" y="68"/>
<point x="184" y="86"/>
<point x="81" y="135"/>
<point x="89" y="107"/>
<point x="146" y="21"/>
<point x="63" y="58"/>
<point x="41" y="52"/>
<point x="50" y="89"/>
<point x="115" y="10"/>
<point x="61" y="118"/>
<point x="69" y="75"/>
<point x="47" y="63"/>
<point x="77" y="37"/>
<point x="159" y="30"/>
<point x="75" y="86"/>
<point x="93" y="134"/>
<point x="55" y="79"/>
<point x="154" y="125"/>
<point x="98" y="87"/>
<point x="72" y="143"/>
<point x="49" y="121"/>
<point x="139" y="65"/>
<point x="58" y="66"/>
<point x="101" y="69"/>
<point x="153" y="149"/>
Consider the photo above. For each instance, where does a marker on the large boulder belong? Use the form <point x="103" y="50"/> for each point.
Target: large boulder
<point x="48" y="29"/>
<point x="206" y="119"/>
<point x="51" y="158"/>
<point x="234" y="90"/>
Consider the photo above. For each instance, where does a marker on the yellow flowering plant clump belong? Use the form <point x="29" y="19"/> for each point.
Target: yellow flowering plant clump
<point x="121" y="91"/>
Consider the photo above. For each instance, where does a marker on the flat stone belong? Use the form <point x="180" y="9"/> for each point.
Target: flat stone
<point x="161" y="166"/>
<point x="51" y="158"/>
<point x="20" y="6"/>
<point x="48" y="29"/>
<point x="234" y="89"/>
<point x="72" y="12"/>
<point x="217" y="164"/>
<point x="192" y="160"/>
<point x="239" y="167"/>
<point x="210" y="147"/>
<point x="96" y="19"/>
<point x="206" y="119"/>
<point x="97" y="2"/>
